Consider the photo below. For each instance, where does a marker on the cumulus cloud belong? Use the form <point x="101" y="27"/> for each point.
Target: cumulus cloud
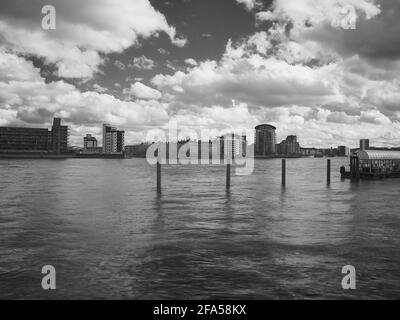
<point x="304" y="14"/>
<point x="163" y="52"/>
<point x="180" y="41"/>
<point x="27" y="100"/>
<point x="141" y="91"/>
<point x="191" y="62"/>
<point x="14" y="68"/>
<point x="301" y="72"/>
<point x="374" y="38"/>
<point x="142" y="63"/>
<point x="99" y="88"/>
<point x="85" y="31"/>
<point x="120" y="65"/>
<point x="249" y="4"/>
<point x="288" y="75"/>
<point x="247" y="75"/>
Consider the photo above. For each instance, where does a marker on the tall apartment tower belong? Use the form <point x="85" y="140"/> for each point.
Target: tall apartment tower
<point x="113" y="140"/>
<point x="265" y="140"/>
<point x="364" y="144"/>
<point x="59" y="137"/>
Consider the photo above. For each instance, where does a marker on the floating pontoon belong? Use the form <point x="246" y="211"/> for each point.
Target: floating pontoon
<point x="373" y="164"/>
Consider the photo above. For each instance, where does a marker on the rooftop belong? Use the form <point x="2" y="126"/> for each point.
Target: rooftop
<point x="378" y="155"/>
<point x="265" y="126"/>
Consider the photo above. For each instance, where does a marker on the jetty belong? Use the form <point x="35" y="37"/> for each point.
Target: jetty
<point x="373" y="164"/>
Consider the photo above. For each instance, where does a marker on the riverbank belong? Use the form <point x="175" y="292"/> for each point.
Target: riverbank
<point x="54" y="156"/>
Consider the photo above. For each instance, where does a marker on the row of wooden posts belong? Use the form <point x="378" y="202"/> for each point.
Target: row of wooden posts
<point x="228" y="174"/>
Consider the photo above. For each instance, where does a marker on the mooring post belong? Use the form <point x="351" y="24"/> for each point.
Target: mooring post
<point x="228" y="176"/>
<point x="158" y="177"/>
<point x="283" y="172"/>
<point x="328" y="172"/>
<point x="351" y="167"/>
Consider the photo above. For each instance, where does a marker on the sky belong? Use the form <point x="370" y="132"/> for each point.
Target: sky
<point x="327" y="71"/>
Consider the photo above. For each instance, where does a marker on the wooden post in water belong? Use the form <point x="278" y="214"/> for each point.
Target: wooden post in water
<point x="328" y="172"/>
<point x="283" y="172"/>
<point x="158" y="177"/>
<point x="351" y="167"/>
<point x="228" y="176"/>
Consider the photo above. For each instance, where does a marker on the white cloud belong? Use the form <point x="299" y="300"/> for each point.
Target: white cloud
<point x="143" y="63"/>
<point x="249" y="4"/>
<point x="14" y="68"/>
<point x="303" y="14"/>
<point x="119" y="64"/>
<point x="97" y="26"/>
<point x="26" y="99"/>
<point x="253" y="79"/>
<point x="191" y="62"/>
<point x="180" y="42"/>
<point x="291" y="75"/>
<point x="141" y="91"/>
<point x="163" y="51"/>
<point x="99" y="88"/>
<point x="296" y="83"/>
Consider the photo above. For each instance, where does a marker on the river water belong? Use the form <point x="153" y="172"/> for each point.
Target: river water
<point x="109" y="235"/>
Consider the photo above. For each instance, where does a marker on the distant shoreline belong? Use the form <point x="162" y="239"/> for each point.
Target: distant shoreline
<point x="53" y="156"/>
<point x="49" y="156"/>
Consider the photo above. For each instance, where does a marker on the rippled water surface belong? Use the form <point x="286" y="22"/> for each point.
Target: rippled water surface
<point x="102" y="225"/>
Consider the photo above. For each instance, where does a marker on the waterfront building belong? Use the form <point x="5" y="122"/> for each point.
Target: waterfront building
<point x="290" y="146"/>
<point x="90" y="145"/>
<point x="138" y="150"/>
<point x="330" y="152"/>
<point x="215" y="148"/>
<point x="93" y="150"/>
<point x="232" y="146"/>
<point x="343" y="151"/>
<point x="113" y="140"/>
<point x="59" y="137"/>
<point x="89" y="142"/>
<point x="24" y="139"/>
<point x="120" y="141"/>
<point x="308" y="152"/>
<point x="35" y="139"/>
<point x="364" y="144"/>
<point x="265" y="140"/>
